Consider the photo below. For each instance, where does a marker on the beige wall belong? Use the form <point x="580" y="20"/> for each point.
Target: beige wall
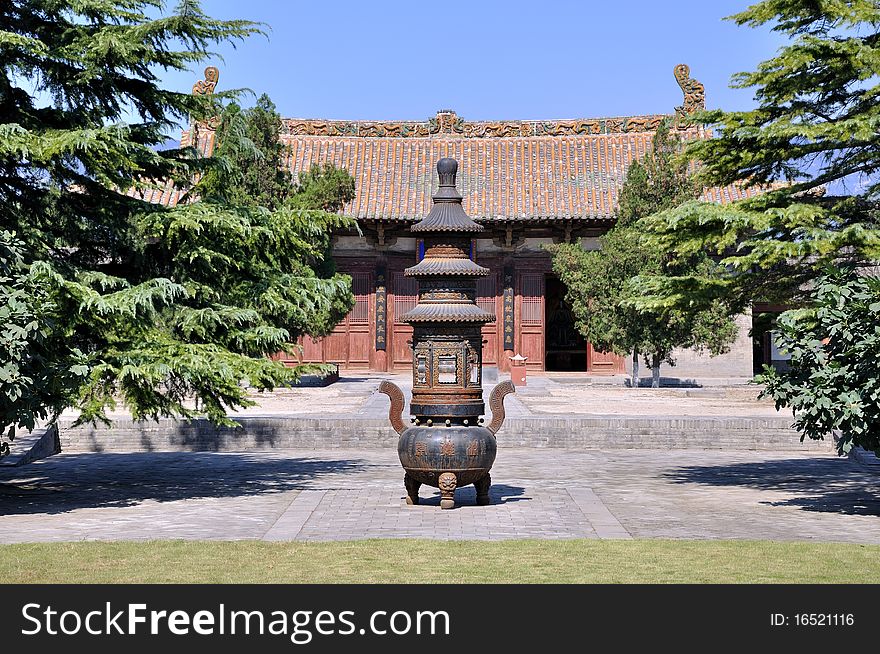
<point x="691" y="366"/>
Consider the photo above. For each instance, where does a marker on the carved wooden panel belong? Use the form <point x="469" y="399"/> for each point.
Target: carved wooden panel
<point x="360" y="287"/>
<point x="336" y="347"/>
<point x="360" y="343"/>
<point x="350" y="344"/>
<point x="532" y="291"/>
<point x="403" y="297"/>
<point x="486" y="293"/>
<point x="406" y="295"/>
<point x="487" y="300"/>
<point x="602" y="363"/>
<point x="312" y="349"/>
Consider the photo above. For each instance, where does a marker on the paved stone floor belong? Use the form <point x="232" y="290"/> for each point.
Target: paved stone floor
<point x="356" y="394"/>
<point x="307" y="495"/>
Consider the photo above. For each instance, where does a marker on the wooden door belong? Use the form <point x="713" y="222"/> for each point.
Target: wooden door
<point x="487" y="300"/>
<point x="359" y="340"/>
<point x="604" y="363"/>
<point x="403" y="296"/>
<point x="530" y="315"/>
<point x="350" y="342"/>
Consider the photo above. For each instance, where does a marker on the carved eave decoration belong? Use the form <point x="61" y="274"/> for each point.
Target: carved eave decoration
<point x="448" y="124"/>
<point x="381" y="234"/>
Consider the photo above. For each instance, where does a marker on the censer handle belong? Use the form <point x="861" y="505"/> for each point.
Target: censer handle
<point x="496" y="403"/>
<point x="395" y="412"/>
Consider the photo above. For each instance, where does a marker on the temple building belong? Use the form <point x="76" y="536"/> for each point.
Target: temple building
<point x="528" y="182"/>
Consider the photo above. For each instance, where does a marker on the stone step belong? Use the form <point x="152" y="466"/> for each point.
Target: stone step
<point x="31" y="446"/>
<point x="582" y="433"/>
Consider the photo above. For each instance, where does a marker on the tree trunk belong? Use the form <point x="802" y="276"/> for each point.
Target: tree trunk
<point x="635" y="370"/>
<point x="655" y="372"/>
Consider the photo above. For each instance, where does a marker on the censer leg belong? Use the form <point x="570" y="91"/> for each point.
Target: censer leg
<point x="482" y="485"/>
<point x="447" y="482"/>
<point x="412" y="489"/>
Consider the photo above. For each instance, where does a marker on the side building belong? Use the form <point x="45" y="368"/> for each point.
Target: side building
<point x="528" y="182"/>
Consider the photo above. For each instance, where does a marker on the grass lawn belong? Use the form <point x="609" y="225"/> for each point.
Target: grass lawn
<point x="427" y="561"/>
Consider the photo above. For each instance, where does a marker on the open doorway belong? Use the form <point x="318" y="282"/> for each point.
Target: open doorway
<point x="764" y="346"/>
<point x="565" y="347"/>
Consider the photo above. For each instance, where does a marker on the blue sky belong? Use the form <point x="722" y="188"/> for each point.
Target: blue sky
<point x="486" y="59"/>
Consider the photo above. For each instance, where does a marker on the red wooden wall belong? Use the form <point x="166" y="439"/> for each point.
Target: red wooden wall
<point x="352" y="342"/>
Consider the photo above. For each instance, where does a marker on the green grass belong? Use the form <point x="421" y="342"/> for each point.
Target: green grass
<point x="426" y="561"/>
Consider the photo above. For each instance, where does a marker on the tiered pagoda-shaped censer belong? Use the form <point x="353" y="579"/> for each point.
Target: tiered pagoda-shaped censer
<point x="447" y="446"/>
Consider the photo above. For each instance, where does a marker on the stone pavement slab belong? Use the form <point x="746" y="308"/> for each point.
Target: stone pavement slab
<point x="352" y="494"/>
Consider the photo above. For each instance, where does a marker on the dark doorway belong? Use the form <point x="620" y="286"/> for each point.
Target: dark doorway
<point x="764" y="347"/>
<point x="565" y="347"/>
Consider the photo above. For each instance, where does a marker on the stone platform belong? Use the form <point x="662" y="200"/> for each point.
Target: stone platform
<point x="577" y="459"/>
<point x="573" y="413"/>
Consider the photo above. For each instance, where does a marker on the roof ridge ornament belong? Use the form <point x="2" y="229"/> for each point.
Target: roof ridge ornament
<point x="694" y="92"/>
<point x="195" y="136"/>
<point x="206" y="86"/>
<point x="451" y="125"/>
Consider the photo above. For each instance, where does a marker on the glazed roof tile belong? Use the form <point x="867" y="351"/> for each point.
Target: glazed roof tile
<point x="503" y="178"/>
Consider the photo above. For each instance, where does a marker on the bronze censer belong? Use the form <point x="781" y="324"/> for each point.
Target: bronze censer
<point x="447" y="445"/>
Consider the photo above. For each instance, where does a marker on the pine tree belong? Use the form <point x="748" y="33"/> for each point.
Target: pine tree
<point x="258" y="175"/>
<point x="811" y="146"/>
<point x="171" y="310"/>
<point x="605" y="284"/>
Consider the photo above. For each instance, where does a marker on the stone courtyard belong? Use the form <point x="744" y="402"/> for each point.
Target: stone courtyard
<point x="784" y="490"/>
<point x="348" y="494"/>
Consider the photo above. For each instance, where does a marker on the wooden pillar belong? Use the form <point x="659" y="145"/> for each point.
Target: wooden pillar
<point x="380" y="358"/>
<point x="508" y="325"/>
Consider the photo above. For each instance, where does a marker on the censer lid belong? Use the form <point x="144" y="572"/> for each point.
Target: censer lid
<point x="447" y="214"/>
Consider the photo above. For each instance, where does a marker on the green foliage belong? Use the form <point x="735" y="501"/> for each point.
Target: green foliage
<point x="35" y="383"/>
<point x="604" y="286"/>
<point x="832" y="386"/>
<point x="659" y="181"/>
<point x="253" y="174"/>
<point x="323" y="187"/>
<point x="812" y="145"/>
<point x="106" y="298"/>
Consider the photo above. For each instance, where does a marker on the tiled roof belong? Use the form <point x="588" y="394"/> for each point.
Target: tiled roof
<point x="508" y="177"/>
<point x="573" y="176"/>
<point x="507" y="170"/>
<point x="165" y="192"/>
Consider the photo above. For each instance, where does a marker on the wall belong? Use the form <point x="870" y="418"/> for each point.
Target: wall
<point x="693" y="367"/>
<point x="529" y="257"/>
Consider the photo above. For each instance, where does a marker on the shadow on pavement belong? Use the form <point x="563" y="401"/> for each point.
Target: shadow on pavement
<point x="74" y="481"/>
<point x="467" y="496"/>
<point x="822" y="484"/>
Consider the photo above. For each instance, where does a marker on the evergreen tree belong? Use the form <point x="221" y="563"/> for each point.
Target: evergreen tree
<point x="603" y="285"/>
<point x="107" y="297"/>
<point x="811" y="146"/>
<point x="256" y="156"/>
